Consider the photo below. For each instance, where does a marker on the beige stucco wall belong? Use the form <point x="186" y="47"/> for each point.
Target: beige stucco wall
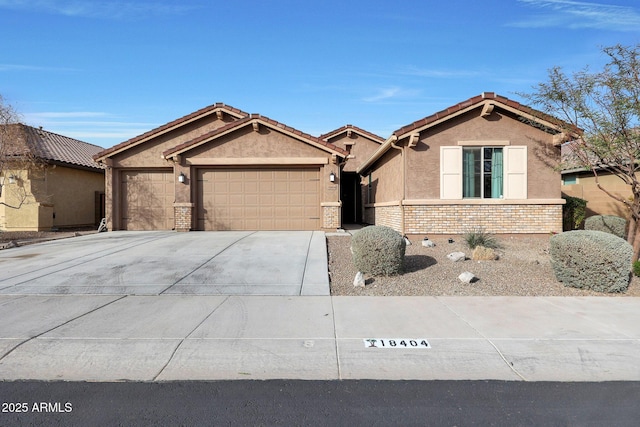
<point x="359" y="147"/>
<point x="386" y="179"/>
<point x="423" y="170"/>
<point x="66" y="193"/>
<point x="599" y="202"/>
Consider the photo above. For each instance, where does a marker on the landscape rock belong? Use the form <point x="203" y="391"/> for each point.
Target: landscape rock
<point x="467" y="277"/>
<point x="428" y="243"/>
<point x="481" y="253"/>
<point x="457" y="256"/>
<point x="407" y="241"/>
<point x="358" y="282"/>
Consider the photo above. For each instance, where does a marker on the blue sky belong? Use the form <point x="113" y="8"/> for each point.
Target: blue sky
<point x="104" y="71"/>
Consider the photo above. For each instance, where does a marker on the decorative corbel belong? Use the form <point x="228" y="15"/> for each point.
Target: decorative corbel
<point x="487" y="109"/>
<point x="219" y="114"/>
<point x="413" y="139"/>
<point x="349" y="132"/>
<point x="559" y="138"/>
<point x="256" y="126"/>
<point x="334" y="159"/>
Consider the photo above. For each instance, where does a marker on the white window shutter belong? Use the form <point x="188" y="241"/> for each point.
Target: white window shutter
<point x="451" y="173"/>
<point x="515" y="172"/>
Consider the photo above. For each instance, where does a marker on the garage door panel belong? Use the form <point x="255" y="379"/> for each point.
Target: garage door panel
<point x="260" y="199"/>
<point x="147" y="200"/>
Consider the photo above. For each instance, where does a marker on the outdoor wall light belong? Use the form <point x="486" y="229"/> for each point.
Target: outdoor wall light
<point x="332" y="177"/>
<point x="181" y="177"/>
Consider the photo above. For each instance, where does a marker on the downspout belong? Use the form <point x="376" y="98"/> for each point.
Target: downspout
<point x="394" y="139"/>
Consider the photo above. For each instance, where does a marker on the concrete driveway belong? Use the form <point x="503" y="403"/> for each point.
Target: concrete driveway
<point x="154" y="263"/>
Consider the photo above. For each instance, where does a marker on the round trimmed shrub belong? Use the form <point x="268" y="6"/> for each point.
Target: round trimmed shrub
<point x="378" y="250"/>
<point x="607" y="223"/>
<point x="590" y="259"/>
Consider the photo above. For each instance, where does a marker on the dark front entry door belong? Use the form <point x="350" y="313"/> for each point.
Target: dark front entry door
<point x="351" y="196"/>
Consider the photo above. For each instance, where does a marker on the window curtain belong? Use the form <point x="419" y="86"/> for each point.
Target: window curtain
<point x="469" y="176"/>
<point x="496" y="174"/>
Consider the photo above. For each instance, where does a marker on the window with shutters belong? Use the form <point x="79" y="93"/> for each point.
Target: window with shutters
<point x="484" y="172"/>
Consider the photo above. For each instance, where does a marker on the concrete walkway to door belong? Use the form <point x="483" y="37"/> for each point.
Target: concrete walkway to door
<point x="154" y="263"/>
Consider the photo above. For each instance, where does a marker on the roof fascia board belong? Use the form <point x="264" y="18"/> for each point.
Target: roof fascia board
<point x="377" y="154"/>
<point x="354" y="130"/>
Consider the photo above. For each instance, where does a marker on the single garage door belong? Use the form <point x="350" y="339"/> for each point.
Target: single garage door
<point x="259" y="199"/>
<point x="147" y="200"/>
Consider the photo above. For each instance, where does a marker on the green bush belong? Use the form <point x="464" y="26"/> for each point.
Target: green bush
<point x="479" y="237"/>
<point x="590" y="259"/>
<point x="607" y="223"/>
<point x="636" y="268"/>
<point x="573" y="213"/>
<point x="378" y="250"/>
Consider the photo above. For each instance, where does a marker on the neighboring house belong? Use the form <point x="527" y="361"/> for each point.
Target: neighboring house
<point x="360" y="145"/>
<point x="580" y="182"/>
<point x="487" y="162"/>
<point x="60" y="187"/>
<point x="220" y="168"/>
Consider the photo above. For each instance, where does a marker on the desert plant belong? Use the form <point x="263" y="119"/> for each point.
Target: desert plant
<point x="573" y="213"/>
<point x="378" y="250"/>
<point x="591" y="259"/>
<point x="479" y="237"/>
<point x="607" y="223"/>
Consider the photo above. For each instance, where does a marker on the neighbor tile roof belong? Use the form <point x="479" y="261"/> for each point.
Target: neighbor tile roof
<point x="345" y="128"/>
<point x="244" y="121"/>
<point x="56" y="148"/>
<point x="175" y="123"/>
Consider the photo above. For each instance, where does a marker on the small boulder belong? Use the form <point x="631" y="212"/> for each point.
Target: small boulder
<point x="457" y="256"/>
<point x="407" y="241"/>
<point x="358" y="282"/>
<point x="467" y="277"/>
<point x="428" y="243"/>
<point x="481" y="253"/>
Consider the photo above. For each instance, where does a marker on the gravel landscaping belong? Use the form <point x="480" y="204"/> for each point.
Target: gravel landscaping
<point x="524" y="269"/>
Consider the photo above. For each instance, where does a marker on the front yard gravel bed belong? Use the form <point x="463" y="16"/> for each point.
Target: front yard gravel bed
<point x="524" y="269"/>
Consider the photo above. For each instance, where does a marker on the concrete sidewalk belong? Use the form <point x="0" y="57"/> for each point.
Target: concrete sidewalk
<point x="181" y="337"/>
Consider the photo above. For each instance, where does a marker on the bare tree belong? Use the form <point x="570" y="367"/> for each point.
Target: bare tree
<point x="606" y="106"/>
<point x="16" y="157"/>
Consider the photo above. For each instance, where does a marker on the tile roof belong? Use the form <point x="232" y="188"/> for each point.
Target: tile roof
<point x="462" y="106"/>
<point x="244" y="121"/>
<point x="449" y="112"/>
<point x="345" y="128"/>
<point x="173" y="124"/>
<point x="57" y="148"/>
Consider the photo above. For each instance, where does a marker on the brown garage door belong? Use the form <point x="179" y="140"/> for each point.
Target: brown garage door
<point x="147" y="200"/>
<point x="259" y="199"/>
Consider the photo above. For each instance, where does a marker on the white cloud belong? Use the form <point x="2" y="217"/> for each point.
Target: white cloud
<point x="388" y="93"/>
<point x="88" y="126"/>
<point x="24" y="67"/>
<point x="101" y="9"/>
<point x="579" y="14"/>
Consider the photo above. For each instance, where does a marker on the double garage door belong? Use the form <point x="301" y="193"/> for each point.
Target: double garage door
<point x="227" y="199"/>
<point x="258" y="199"/>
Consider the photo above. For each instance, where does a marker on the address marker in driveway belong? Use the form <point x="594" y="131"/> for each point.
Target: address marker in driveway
<point x="396" y="343"/>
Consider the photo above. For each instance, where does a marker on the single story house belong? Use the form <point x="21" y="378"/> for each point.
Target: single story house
<point x="48" y="181"/>
<point x="487" y="162"/>
<point x="220" y="168"/>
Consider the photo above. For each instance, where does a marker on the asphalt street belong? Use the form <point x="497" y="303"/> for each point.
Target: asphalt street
<point x="335" y="403"/>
